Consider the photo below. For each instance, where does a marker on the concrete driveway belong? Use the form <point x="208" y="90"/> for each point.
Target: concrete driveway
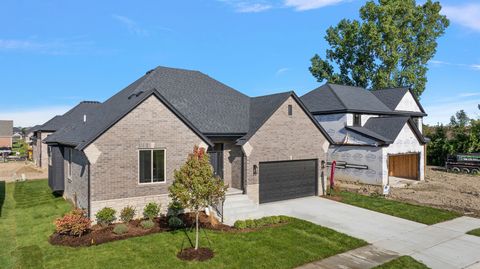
<point x="444" y="245"/>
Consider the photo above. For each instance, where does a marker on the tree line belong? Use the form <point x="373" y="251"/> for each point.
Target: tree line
<point x="461" y="135"/>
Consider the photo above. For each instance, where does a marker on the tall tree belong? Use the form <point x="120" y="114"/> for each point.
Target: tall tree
<point x="389" y="47"/>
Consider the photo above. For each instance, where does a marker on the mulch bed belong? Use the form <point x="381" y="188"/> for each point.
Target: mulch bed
<point x="99" y="235"/>
<point x="190" y="254"/>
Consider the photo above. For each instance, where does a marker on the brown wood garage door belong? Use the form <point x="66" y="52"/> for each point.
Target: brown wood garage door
<point x="404" y="166"/>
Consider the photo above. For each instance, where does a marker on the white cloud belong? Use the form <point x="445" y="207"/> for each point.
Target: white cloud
<point x="443" y="63"/>
<point x="247" y="6"/>
<point x="281" y="71"/>
<point x="469" y="94"/>
<point x="33" y="116"/>
<point x="467" y="15"/>
<point x="440" y="110"/>
<point x="252" y="8"/>
<point x="131" y="25"/>
<point x="301" y="5"/>
<point x="58" y="46"/>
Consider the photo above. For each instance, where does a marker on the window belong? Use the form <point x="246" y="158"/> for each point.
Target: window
<point x="290" y="110"/>
<point x="357" y="120"/>
<point x="69" y="162"/>
<point x="151" y="165"/>
<point x="49" y="150"/>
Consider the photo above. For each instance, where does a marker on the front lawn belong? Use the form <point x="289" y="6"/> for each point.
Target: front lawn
<point x="403" y="262"/>
<point x="475" y="232"/>
<point x="422" y="214"/>
<point x="29" y="209"/>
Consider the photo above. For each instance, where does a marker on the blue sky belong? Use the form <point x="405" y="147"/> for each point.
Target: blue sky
<point x="54" y="54"/>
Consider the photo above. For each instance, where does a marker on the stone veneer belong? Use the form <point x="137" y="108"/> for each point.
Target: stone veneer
<point x="283" y="138"/>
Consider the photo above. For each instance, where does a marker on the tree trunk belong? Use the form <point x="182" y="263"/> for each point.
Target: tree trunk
<point x="196" y="230"/>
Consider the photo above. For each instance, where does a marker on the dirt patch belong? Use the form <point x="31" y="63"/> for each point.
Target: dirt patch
<point x="190" y="254"/>
<point x="12" y="171"/>
<point x="457" y="192"/>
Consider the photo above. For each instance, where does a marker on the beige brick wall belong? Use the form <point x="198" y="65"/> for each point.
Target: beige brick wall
<point x="285" y="137"/>
<point x="114" y="175"/>
<point x="40" y="150"/>
<point x="76" y="186"/>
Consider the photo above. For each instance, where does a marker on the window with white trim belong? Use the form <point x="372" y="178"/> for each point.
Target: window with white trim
<point x="69" y="162"/>
<point x="151" y="165"/>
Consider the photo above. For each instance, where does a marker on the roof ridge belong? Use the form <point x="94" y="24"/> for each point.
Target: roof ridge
<point x="336" y="95"/>
<point x="273" y="94"/>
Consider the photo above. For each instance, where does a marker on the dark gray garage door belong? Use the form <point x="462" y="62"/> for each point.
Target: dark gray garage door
<point x="287" y="180"/>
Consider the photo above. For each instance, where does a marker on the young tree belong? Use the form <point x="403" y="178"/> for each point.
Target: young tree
<point x="389" y="47"/>
<point x="195" y="186"/>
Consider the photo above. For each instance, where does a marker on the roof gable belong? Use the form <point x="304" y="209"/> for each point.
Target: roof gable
<point x="263" y="107"/>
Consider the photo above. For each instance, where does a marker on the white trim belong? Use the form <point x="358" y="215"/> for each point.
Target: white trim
<point x="69" y="167"/>
<point x="151" y="166"/>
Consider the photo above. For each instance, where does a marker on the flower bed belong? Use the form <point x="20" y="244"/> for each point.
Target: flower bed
<point x="99" y="234"/>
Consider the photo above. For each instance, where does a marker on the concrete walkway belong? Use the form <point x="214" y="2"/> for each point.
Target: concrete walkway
<point x="360" y="258"/>
<point x="444" y="245"/>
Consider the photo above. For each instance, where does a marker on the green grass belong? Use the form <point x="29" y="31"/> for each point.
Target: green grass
<point x="475" y="232"/>
<point x="403" y="263"/>
<point x="418" y="213"/>
<point x="27" y="222"/>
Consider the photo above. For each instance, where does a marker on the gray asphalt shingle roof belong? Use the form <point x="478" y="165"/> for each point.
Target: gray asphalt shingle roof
<point x="387" y="129"/>
<point x="208" y="106"/>
<point x="391" y="97"/>
<point x="333" y="97"/>
<point x="6" y="128"/>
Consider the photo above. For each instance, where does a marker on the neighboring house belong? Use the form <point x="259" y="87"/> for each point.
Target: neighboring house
<point x="40" y="133"/>
<point x="267" y="148"/>
<point x="30" y="133"/>
<point x="17" y="136"/>
<point x="6" y="131"/>
<point x="377" y="134"/>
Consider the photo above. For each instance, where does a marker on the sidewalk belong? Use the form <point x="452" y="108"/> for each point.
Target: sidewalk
<point x="443" y="245"/>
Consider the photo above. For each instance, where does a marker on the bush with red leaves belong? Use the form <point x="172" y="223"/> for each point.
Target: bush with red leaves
<point x="74" y="223"/>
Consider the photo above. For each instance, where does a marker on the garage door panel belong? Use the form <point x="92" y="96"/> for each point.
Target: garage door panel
<point x="404" y="165"/>
<point x="287" y="180"/>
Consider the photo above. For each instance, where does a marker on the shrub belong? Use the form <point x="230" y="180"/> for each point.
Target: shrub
<point x="127" y="214"/>
<point x="261" y="222"/>
<point x="120" y="229"/>
<point x="147" y="224"/>
<point x="240" y="224"/>
<point x="74" y="223"/>
<point x="175" y="222"/>
<point x="250" y="223"/>
<point x="275" y="220"/>
<point x="284" y="219"/>
<point x="174" y="208"/>
<point x="106" y="216"/>
<point x="151" y="210"/>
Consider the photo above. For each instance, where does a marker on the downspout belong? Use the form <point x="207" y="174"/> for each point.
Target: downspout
<point x="88" y="190"/>
<point x="244" y="181"/>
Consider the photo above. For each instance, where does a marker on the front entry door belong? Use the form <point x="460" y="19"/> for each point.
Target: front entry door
<point x="216" y="159"/>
